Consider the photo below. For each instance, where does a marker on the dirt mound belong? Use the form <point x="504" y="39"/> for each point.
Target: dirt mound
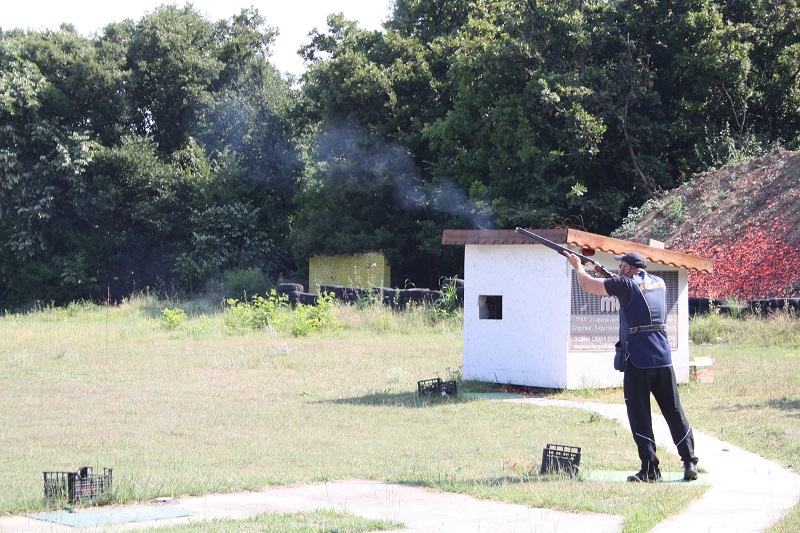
<point x="746" y="217"/>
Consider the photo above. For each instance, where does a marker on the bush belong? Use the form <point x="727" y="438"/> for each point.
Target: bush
<point x="449" y="303"/>
<point x="173" y="318"/>
<point x="307" y="319"/>
<point x="256" y="315"/>
<point x="240" y="283"/>
<point x="670" y="214"/>
<point x="274" y="312"/>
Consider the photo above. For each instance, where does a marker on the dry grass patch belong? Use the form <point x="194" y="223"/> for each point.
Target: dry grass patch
<point x="192" y="410"/>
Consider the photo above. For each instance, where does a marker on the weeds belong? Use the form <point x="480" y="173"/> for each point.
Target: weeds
<point x="449" y="302"/>
<point x="773" y="329"/>
<point x="669" y="213"/>
<point x="305" y="320"/>
<point x="172" y="318"/>
<point x="256" y="315"/>
<point x="711" y="329"/>
<point x="274" y="313"/>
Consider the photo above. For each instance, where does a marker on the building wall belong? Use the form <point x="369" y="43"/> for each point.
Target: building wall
<point x="528" y="345"/>
<point x="681" y="356"/>
<point x="370" y="269"/>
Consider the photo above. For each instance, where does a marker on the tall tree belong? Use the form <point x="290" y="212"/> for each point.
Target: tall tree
<point x="173" y="60"/>
<point x="545" y="110"/>
<point x="120" y="151"/>
<point x="43" y="161"/>
<point x="364" y="102"/>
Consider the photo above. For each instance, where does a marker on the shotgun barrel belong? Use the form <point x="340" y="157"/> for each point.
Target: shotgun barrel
<point x="600" y="269"/>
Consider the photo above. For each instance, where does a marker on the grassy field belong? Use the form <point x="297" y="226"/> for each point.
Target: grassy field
<point x="182" y="406"/>
<point x="755" y="399"/>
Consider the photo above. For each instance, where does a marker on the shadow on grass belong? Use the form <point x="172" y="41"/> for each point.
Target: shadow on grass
<point x="790" y="406"/>
<point x="458" y="484"/>
<point x="405" y="399"/>
<point x="785" y="404"/>
<point x="487" y="387"/>
<point x="469" y="391"/>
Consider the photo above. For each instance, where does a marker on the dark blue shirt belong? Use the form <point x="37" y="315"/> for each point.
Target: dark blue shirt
<point x="643" y="302"/>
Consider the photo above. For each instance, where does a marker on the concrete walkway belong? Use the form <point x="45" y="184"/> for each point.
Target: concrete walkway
<point x="421" y="510"/>
<point x="748" y="494"/>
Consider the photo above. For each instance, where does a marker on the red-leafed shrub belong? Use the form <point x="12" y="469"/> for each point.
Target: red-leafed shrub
<point x="756" y="264"/>
<point x="745" y="217"/>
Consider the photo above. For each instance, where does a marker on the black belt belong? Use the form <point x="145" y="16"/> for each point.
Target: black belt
<point x="651" y="327"/>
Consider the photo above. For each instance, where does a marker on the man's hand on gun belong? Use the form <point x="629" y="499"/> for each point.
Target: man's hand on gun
<point x="574" y="260"/>
<point x="589" y="283"/>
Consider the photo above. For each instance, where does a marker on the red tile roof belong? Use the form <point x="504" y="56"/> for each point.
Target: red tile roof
<point x="583" y="240"/>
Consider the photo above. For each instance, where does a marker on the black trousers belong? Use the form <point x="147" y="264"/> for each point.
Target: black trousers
<point x="638" y="384"/>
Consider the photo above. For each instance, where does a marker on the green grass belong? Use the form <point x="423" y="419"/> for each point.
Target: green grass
<point x="304" y="522"/>
<point x="754" y="401"/>
<point x="188" y="409"/>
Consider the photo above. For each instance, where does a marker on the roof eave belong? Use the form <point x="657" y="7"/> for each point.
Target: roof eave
<point x="581" y="239"/>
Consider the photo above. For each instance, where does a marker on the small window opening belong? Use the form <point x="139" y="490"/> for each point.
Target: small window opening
<point x="490" y="307"/>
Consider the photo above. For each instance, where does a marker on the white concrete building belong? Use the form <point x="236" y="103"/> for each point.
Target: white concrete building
<point x="528" y="322"/>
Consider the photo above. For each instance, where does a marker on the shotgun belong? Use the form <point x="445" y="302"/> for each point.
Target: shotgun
<point x="600" y="269"/>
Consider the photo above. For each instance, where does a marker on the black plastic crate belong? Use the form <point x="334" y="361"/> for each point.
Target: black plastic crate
<point x="78" y="486"/>
<point x="448" y="388"/>
<point x="429" y="387"/>
<point x="436" y="387"/>
<point x="559" y="459"/>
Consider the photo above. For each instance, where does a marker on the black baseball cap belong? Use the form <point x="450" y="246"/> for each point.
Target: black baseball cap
<point x="634" y="259"/>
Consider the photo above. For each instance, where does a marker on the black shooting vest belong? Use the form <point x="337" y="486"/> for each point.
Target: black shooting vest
<point x="642" y="322"/>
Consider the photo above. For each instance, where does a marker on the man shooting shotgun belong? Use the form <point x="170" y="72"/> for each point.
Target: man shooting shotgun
<point x="648" y="368"/>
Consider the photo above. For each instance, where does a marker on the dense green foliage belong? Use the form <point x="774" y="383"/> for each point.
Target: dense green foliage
<point x="157" y="154"/>
<point x="541" y="111"/>
<point x="167" y="152"/>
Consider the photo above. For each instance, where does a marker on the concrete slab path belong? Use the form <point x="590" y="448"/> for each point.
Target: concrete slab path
<point x="421" y="510"/>
<point x="748" y="494"/>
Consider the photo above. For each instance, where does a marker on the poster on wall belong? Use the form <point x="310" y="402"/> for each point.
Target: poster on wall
<point x="594" y="320"/>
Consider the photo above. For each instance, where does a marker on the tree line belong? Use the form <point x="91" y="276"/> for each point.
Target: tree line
<point x="167" y="153"/>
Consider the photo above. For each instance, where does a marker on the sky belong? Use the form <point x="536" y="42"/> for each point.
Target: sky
<point x="293" y="18"/>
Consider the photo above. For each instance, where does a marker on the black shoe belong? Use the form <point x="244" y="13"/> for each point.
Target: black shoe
<point x="646" y="477"/>
<point x="689" y="471"/>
